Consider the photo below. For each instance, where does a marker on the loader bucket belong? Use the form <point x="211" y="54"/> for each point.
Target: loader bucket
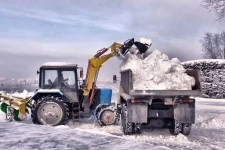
<point x="16" y="112"/>
<point x="141" y="47"/>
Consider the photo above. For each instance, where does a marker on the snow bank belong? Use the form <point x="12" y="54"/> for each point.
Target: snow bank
<point x="25" y="94"/>
<point x="157" y="72"/>
<point x="219" y="61"/>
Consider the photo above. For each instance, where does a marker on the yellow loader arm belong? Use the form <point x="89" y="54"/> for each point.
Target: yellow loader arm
<point x="94" y="65"/>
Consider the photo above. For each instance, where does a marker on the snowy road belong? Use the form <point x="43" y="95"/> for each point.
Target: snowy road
<point x="207" y="133"/>
<point x="28" y="136"/>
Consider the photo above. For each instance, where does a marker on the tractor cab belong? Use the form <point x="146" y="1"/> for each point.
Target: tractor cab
<point x="61" y="76"/>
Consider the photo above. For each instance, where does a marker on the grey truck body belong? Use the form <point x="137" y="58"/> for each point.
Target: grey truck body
<point x="157" y="108"/>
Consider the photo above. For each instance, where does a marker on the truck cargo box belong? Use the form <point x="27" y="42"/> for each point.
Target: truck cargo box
<point x="127" y="85"/>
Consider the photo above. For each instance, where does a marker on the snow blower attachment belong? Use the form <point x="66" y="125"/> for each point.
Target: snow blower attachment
<point x="14" y="107"/>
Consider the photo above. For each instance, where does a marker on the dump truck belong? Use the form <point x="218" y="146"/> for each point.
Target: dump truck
<point x="172" y="109"/>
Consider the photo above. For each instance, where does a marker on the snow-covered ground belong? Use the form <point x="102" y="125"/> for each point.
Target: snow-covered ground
<point x="208" y="133"/>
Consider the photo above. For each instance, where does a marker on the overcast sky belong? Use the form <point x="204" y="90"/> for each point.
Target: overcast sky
<point x="35" y="31"/>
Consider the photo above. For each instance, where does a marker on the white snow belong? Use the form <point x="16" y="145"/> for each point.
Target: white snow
<point x="219" y="61"/>
<point x="157" y="72"/>
<point x="57" y="64"/>
<point x="145" y="41"/>
<point x="25" y="94"/>
<point x="49" y="91"/>
<point x="207" y="133"/>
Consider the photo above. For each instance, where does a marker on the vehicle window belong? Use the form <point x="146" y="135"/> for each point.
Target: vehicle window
<point x="51" y="77"/>
<point x="68" y="78"/>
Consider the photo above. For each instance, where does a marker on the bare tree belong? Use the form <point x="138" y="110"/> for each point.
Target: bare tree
<point x="218" y="6"/>
<point x="208" y="47"/>
<point x="217" y="45"/>
<point x="222" y="37"/>
<point x="213" y="45"/>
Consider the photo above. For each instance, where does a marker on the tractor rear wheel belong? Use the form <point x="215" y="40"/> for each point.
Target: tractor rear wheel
<point x="50" y="111"/>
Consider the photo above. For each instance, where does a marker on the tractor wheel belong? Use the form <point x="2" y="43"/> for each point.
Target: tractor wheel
<point x="107" y="116"/>
<point x="50" y="111"/>
<point x="186" y="128"/>
<point x="128" y="127"/>
<point x="176" y="127"/>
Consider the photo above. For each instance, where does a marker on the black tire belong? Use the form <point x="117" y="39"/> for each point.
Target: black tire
<point x="59" y="102"/>
<point x="101" y="113"/>
<point x="138" y="128"/>
<point x="128" y="127"/>
<point x="186" y="128"/>
<point x="176" y="127"/>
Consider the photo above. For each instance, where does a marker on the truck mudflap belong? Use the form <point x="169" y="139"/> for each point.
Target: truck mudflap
<point x="137" y="112"/>
<point x="185" y="113"/>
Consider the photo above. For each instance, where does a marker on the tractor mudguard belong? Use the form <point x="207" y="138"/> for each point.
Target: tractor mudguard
<point x="98" y="108"/>
<point x="46" y="91"/>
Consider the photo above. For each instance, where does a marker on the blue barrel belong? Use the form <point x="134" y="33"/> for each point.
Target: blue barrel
<point x="105" y="96"/>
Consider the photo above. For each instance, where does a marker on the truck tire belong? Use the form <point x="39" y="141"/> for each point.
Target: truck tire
<point x="50" y="111"/>
<point x="176" y="127"/>
<point x="128" y="127"/>
<point x="137" y="128"/>
<point x="186" y="128"/>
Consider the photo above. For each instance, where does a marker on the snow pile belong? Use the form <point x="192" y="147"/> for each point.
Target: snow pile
<point x="57" y="64"/>
<point x="23" y="95"/>
<point x="210" y="122"/>
<point x="206" y="61"/>
<point x="157" y="72"/>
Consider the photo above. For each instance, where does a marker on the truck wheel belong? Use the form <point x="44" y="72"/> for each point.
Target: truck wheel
<point x="50" y="111"/>
<point x="137" y="128"/>
<point x="128" y="127"/>
<point x="176" y="127"/>
<point x="186" y="128"/>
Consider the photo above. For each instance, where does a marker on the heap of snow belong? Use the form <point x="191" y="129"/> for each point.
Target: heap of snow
<point x="157" y="72"/>
<point x="25" y="94"/>
<point x="218" y="61"/>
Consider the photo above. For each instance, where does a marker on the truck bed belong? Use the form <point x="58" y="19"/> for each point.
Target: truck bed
<point x="126" y="84"/>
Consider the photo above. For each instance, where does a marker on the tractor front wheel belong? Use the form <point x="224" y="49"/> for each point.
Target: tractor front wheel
<point x="50" y="111"/>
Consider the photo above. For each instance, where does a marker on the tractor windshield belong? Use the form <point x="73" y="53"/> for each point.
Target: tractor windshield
<point x="58" y="78"/>
<point x="49" y="79"/>
<point x="67" y="79"/>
